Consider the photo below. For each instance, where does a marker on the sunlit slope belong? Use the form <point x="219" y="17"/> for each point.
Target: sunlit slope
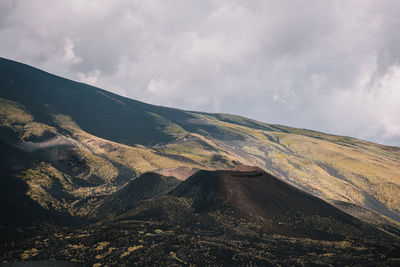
<point x="94" y="141"/>
<point x="64" y="169"/>
<point x="329" y="166"/>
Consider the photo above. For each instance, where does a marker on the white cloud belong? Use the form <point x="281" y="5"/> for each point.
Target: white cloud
<point x="330" y="66"/>
<point x="91" y="77"/>
<point x="387" y="100"/>
<point x="69" y="54"/>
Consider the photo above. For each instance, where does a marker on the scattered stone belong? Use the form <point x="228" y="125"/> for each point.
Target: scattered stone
<point x="102" y="245"/>
<point x="130" y="250"/>
<point x="76" y="246"/>
<point x="173" y="255"/>
<point x="29" y="253"/>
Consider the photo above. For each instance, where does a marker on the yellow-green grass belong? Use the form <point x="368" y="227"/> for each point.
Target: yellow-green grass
<point x="138" y="158"/>
<point x="40" y="180"/>
<point x="13" y="113"/>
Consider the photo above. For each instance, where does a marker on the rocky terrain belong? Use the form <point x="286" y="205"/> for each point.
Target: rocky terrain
<point x="232" y="217"/>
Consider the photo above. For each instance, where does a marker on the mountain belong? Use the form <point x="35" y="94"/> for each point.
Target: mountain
<point x="75" y="159"/>
<point x="113" y="138"/>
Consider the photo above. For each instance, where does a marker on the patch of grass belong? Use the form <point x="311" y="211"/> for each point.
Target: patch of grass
<point x="13" y="113"/>
<point x="36" y="129"/>
<point x="44" y="178"/>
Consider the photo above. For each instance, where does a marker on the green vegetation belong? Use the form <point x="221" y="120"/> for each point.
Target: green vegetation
<point x="12" y="113"/>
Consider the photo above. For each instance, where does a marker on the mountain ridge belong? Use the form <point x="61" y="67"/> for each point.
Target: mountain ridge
<point x="18" y="67"/>
<point x="329" y="166"/>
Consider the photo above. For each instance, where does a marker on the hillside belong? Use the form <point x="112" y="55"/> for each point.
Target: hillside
<point x="110" y="139"/>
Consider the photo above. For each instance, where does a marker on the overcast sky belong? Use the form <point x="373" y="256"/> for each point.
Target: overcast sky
<point x="332" y="66"/>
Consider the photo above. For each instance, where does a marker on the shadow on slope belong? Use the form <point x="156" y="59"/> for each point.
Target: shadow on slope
<point x="96" y="111"/>
<point x="148" y="185"/>
<point x="369" y="216"/>
<point x="21" y="216"/>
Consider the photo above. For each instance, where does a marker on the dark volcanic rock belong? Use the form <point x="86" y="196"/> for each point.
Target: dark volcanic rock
<point x="44" y="264"/>
<point x="251" y="191"/>
<point x="277" y="207"/>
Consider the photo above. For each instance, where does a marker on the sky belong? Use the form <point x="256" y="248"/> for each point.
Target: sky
<point x="332" y="66"/>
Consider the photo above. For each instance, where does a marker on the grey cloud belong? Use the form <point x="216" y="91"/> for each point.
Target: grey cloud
<point x="325" y="65"/>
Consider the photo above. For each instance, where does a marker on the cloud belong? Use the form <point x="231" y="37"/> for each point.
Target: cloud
<point x="69" y="54"/>
<point x="91" y="77"/>
<point x="330" y="66"/>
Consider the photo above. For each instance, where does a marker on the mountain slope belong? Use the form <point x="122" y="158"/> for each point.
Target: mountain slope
<point x="107" y="115"/>
<point x="110" y="139"/>
<point x="369" y="216"/>
<point x="127" y="121"/>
